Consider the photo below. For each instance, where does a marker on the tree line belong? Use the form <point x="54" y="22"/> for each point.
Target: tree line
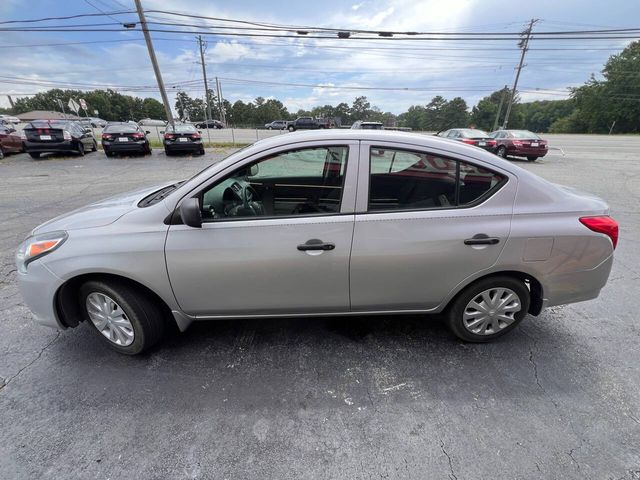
<point x="598" y="106"/>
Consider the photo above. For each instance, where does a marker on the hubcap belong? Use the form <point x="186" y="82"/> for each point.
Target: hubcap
<point x="491" y="311"/>
<point x="109" y="319"/>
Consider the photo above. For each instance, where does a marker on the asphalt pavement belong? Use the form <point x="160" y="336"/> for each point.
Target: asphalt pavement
<point x="369" y="397"/>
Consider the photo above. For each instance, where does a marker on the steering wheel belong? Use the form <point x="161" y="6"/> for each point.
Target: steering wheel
<point x="250" y="201"/>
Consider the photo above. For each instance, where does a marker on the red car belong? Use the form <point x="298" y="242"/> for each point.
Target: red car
<point x="519" y="143"/>
<point x="10" y="140"/>
<point x="471" y="136"/>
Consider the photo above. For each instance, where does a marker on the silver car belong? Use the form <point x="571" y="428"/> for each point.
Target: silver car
<point x="323" y="223"/>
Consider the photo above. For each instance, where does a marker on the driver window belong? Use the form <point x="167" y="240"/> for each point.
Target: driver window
<point x="307" y="181"/>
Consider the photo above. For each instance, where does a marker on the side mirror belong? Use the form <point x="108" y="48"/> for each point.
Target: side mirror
<point x="254" y="170"/>
<point x="199" y="131"/>
<point x="88" y="130"/>
<point x="161" y="131"/>
<point x="148" y="132"/>
<point x="190" y="212"/>
<point x="11" y="130"/>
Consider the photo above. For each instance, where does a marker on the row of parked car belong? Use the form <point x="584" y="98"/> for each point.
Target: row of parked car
<point x="504" y="143"/>
<point x="68" y="136"/>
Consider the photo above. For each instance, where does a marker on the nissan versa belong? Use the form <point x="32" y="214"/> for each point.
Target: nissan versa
<point x="323" y="223"/>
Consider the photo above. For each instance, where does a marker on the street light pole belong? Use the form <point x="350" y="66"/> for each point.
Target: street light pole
<point x="154" y="62"/>
<point x="524" y="44"/>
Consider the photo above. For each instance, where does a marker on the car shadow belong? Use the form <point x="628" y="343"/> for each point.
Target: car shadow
<point x="339" y="359"/>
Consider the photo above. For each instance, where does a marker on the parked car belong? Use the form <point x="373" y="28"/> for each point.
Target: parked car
<point x="362" y="125"/>
<point x="182" y="138"/>
<point x="279" y="229"/>
<point x="10" y="140"/>
<point x="471" y="136"/>
<point x="124" y="137"/>
<point x="210" y="124"/>
<point x="9" y="120"/>
<point x="308" y="123"/>
<point x="519" y="143"/>
<point x="92" y="122"/>
<point x="50" y="136"/>
<point x="150" y="122"/>
<point x="277" y="125"/>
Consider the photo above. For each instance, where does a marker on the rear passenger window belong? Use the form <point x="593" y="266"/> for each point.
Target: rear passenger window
<point x="409" y="180"/>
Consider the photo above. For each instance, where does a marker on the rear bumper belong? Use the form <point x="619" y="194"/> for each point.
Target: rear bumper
<point x="527" y="152"/>
<point x="183" y="146"/>
<point x="576" y="286"/>
<point x="38" y="288"/>
<point x="124" y="146"/>
<point x="42" y="147"/>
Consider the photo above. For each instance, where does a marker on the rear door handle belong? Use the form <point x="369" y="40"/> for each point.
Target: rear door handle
<point x="481" y="239"/>
<point x="315" y="244"/>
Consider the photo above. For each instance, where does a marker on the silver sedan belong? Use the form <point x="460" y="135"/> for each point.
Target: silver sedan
<point x="323" y="223"/>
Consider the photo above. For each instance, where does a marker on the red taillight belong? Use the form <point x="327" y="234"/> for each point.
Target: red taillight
<point x="106" y="136"/>
<point x="137" y="135"/>
<point x="195" y="136"/>
<point x="168" y="135"/>
<point x="602" y="224"/>
<point x="491" y="143"/>
<point x="517" y="143"/>
<point x="468" y="141"/>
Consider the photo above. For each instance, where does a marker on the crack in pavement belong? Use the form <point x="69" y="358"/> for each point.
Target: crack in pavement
<point x="7" y="381"/>
<point x="452" y="474"/>
<point x="570" y="454"/>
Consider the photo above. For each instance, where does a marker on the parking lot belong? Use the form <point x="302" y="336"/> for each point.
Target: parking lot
<point x="369" y="397"/>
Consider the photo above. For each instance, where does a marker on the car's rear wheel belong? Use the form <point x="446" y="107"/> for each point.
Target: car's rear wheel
<point x="124" y="317"/>
<point x="201" y="152"/>
<point x="291" y="129"/>
<point x="502" y="151"/>
<point x="34" y="154"/>
<point x="532" y="158"/>
<point x="81" y="149"/>
<point x="1" y="153"/>
<point x="269" y="128"/>
<point x="94" y="147"/>
<point x="488" y="309"/>
<point x="147" y="150"/>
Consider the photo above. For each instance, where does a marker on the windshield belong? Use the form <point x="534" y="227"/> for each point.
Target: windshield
<point x="124" y="128"/>
<point x="48" y="124"/>
<point x="471" y="133"/>
<point x="523" y="134"/>
<point x="181" y="129"/>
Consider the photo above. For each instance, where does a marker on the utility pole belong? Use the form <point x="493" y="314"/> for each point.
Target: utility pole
<point x="524" y="46"/>
<point x="204" y="75"/>
<point x="495" y="124"/>
<point x="223" y="118"/>
<point x="11" y="101"/>
<point x="154" y="62"/>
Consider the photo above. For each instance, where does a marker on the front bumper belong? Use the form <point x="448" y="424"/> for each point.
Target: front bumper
<point x="38" y="288"/>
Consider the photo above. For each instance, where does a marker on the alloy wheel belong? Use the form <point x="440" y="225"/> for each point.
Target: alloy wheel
<point x="491" y="311"/>
<point x="110" y="319"/>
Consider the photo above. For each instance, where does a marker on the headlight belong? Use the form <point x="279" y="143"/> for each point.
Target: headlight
<point x="38" y="246"/>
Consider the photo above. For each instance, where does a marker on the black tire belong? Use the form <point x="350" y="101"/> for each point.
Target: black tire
<point x="455" y="313"/>
<point x="94" y="148"/>
<point x="269" y="128"/>
<point x="291" y="129"/>
<point x="34" y="154"/>
<point x="502" y="151"/>
<point x="145" y="316"/>
<point x="81" y="149"/>
<point x="147" y="150"/>
<point x="1" y="154"/>
<point x="167" y="152"/>
<point x="201" y="152"/>
<point x="532" y="158"/>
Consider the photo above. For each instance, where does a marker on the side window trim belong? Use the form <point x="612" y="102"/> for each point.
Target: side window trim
<point x="362" y="201"/>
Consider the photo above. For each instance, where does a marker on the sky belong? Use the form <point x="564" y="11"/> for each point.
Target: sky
<point x="387" y="71"/>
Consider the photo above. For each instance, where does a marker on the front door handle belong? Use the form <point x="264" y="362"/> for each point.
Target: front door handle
<point x="315" y="244"/>
<point x="481" y="239"/>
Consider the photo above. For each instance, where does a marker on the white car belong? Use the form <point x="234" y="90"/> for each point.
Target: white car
<point x="8" y="119"/>
<point x="150" y="122"/>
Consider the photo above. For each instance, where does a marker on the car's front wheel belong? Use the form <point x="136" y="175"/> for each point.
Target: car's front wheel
<point x="124" y="317"/>
<point x="488" y="309"/>
<point x="291" y="129"/>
